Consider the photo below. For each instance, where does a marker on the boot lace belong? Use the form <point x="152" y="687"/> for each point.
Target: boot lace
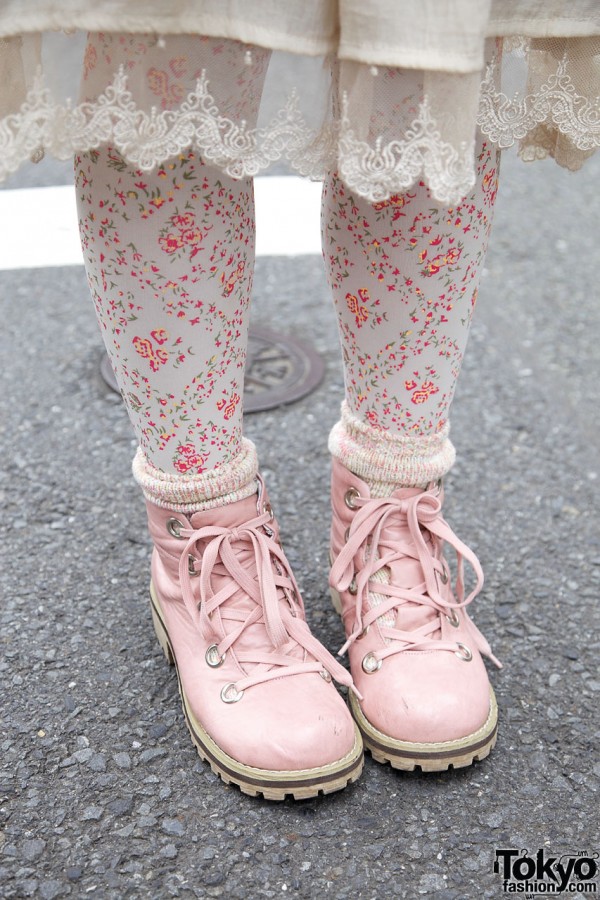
<point x="389" y="531"/>
<point x="244" y="581"/>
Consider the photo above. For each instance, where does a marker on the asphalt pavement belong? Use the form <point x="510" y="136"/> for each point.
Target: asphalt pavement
<point x="103" y="795"/>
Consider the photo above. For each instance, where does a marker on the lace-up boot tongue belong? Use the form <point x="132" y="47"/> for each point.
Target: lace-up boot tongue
<point x="235" y="516"/>
<point x="405" y="571"/>
<point x="231" y="515"/>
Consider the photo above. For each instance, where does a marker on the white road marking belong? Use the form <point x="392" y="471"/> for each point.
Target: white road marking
<point x="38" y="226"/>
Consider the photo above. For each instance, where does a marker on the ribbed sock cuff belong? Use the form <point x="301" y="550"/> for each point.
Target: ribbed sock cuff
<point x="225" y="484"/>
<point x="387" y="460"/>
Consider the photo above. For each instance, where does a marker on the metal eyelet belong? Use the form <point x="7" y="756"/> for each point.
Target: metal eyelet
<point x="346" y="535"/>
<point x="325" y="675"/>
<point x="212" y="657"/>
<point x="350" y="496"/>
<point x="463" y="652"/>
<point x="371" y="664"/>
<point x="453" y="618"/>
<point x="192" y="566"/>
<point x="363" y="633"/>
<point x="353" y="587"/>
<point x="444" y="577"/>
<point x="267" y="508"/>
<point x="230" y="693"/>
<point x="174" y="527"/>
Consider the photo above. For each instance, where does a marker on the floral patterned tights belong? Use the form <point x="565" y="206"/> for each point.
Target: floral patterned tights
<point x="170" y="255"/>
<point x="404" y="275"/>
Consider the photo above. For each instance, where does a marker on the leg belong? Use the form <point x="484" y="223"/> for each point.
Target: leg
<point x="169" y="256"/>
<point x="404" y="277"/>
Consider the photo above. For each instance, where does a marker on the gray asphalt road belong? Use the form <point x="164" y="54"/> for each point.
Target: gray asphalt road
<point x="102" y="792"/>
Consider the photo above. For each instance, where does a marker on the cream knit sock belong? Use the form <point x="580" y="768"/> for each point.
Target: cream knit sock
<point x="225" y="484"/>
<point x="386" y="461"/>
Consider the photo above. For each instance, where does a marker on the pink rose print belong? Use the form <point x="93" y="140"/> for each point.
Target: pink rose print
<point x="453" y="255"/>
<point x="490" y="186"/>
<point x="396" y="202"/>
<point x="90" y="60"/>
<point x="143" y="347"/>
<point x="178" y="65"/>
<point x="361" y="313"/>
<point x="444" y="259"/>
<point x="191" y="236"/>
<point x="171" y="243"/>
<point x="160" y="85"/>
<point x="424" y="393"/>
<point x="425" y="260"/>
<point x="188" y="460"/>
<point x="186" y="450"/>
<point x="185" y="232"/>
<point x="229" y="283"/>
<point x="228" y="406"/>
<point x="184" y="221"/>
<point x="168" y="250"/>
<point x="155" y="357"/>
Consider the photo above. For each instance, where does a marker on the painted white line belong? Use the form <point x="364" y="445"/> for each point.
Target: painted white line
<point x="288" y="210"/>
<point x="38" y="226"/>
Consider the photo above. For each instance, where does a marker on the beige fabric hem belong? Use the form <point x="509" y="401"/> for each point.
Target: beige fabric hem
<point x="427" y="35"/>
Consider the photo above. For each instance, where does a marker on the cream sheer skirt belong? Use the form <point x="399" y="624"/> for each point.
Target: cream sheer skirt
<point x="243" y="108"/>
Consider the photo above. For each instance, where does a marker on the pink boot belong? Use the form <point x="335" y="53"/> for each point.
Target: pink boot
<point x="255" y="684"/>
<point x="415" y="655"/>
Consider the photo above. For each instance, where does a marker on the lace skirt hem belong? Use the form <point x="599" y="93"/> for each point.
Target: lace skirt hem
<point x="243" y="107"/>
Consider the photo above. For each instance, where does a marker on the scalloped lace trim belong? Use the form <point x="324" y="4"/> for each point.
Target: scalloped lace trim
<point x="379" y="171"/>
<point x="557" y="103"/>
<point x="147" y="139"/>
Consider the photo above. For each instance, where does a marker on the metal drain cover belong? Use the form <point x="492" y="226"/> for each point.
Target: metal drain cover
<point x="279" y="370"/>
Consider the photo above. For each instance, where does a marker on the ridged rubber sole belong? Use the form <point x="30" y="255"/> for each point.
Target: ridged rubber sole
<point x="299" y="784"/>
<point x="428" y="757"/>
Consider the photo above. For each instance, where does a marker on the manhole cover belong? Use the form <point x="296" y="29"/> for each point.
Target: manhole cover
<point x="279" y="370"/>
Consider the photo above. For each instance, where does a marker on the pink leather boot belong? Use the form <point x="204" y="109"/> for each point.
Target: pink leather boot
<point x="415" y="655"/>
<point x="256" y="686"/>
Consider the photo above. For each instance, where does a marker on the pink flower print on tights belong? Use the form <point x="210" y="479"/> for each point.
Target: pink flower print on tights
<point x="156" y="356"/>
<point x="423" y="393"/>
<point x="360" y="312"/>
<point x="227" y="407"/>
<point x="404" y="274"/>
<point x="188" y="461"/>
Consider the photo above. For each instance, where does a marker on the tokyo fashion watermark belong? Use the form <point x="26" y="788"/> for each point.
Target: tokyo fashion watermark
<point x="539" y="872"/>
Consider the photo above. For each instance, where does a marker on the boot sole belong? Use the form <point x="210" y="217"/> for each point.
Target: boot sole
<point x="428" y="757"/>
<point x="300" y="784"/>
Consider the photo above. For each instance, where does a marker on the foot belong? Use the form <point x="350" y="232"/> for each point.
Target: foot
<point x="415" y="655"/>
<point x="256" y="686"/>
